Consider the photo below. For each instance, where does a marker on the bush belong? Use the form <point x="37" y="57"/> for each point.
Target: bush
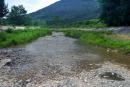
<point x="93" y="23"/>
<point x="9" y="30"/>
<point x="2" y="36"/>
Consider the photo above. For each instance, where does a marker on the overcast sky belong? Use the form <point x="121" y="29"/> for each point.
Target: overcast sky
<point x="31" y="5"/>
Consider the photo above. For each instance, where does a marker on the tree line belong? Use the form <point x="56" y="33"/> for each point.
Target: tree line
<point x="16" y="16"/>
<point x="114" y="13"/>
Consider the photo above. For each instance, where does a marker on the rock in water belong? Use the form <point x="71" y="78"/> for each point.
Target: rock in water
<point x="112" y="76"/>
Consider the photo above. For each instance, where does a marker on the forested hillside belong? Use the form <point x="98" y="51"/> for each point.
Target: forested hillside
<point x="68" y="11"/>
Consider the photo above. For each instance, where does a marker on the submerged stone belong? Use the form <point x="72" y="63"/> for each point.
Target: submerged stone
<point x="112" y="76"/>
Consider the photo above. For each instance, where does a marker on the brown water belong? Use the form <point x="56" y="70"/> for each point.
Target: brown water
<point x="59" y="61"/>
<point x="112" y="56"/>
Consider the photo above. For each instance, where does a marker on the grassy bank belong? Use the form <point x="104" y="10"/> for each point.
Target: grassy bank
<point x="93" y="23"/>
<point x="100" y="38"/>
<point x="16" y="37"/>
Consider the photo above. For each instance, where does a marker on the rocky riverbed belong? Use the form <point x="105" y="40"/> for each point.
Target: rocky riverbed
<point x="59" y="61"/>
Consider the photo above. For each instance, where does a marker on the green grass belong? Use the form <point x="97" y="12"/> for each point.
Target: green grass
<point x="93" y="23"/>
<point x="17" y="37"/>
<point x="99" y="38"/>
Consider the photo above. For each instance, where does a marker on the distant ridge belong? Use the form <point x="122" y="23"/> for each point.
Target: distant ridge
<point x="69" y="10"/>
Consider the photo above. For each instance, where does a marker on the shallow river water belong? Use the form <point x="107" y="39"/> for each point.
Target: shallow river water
<point x="59" y="61"/>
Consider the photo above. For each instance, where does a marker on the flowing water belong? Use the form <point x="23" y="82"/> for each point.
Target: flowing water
<point x="59" y="61"/>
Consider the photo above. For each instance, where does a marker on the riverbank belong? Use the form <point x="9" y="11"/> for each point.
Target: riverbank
<point x="115" y="40"/>
<point x="106" y="39"/>
<point x="12" y="37"/>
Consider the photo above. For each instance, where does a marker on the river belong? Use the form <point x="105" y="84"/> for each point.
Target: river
<point x="59" y="61"/>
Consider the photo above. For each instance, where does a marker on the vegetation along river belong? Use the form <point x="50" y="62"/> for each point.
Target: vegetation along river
<point x="59" y="61"/>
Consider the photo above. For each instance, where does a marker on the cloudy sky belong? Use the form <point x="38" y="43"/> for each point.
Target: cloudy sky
<point x="31" y="5"/>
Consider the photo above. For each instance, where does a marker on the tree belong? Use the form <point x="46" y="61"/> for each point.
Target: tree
<point x="17" y="16"/>
<point x="125" y="12"/>
<point x="3" y="9"/>
<point x="55" y="21"/>
<point x="115" y="12"/>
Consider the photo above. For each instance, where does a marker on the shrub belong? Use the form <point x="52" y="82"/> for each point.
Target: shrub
<point x="9" y="30"/>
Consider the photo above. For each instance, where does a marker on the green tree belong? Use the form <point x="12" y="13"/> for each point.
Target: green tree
<point x="55" y="21"/>
<point x="3" y="9"/>
<point x="17" y="16"/>
<point x="125" y="12"/>
<point x="115" y="12"/>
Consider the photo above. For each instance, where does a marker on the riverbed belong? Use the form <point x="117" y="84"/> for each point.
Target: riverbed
<point x="59" y="61"/>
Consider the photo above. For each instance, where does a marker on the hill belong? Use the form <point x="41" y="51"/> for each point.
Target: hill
<point x="68" y="10"/>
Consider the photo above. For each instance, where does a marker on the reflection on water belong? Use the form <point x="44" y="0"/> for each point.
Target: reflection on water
<point x="104" y="56"/>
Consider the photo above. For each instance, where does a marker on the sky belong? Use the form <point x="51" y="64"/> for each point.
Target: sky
<point x="31" y="5"/>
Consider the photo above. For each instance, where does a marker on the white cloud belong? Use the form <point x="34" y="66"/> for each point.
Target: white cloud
<point x="31" y="5"/>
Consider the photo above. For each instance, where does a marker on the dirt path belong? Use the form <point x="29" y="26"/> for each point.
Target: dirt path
<point x="59" y="61"/>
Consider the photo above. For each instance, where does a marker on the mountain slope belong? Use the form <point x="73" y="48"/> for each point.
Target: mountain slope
<point x="69" y="10"/>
